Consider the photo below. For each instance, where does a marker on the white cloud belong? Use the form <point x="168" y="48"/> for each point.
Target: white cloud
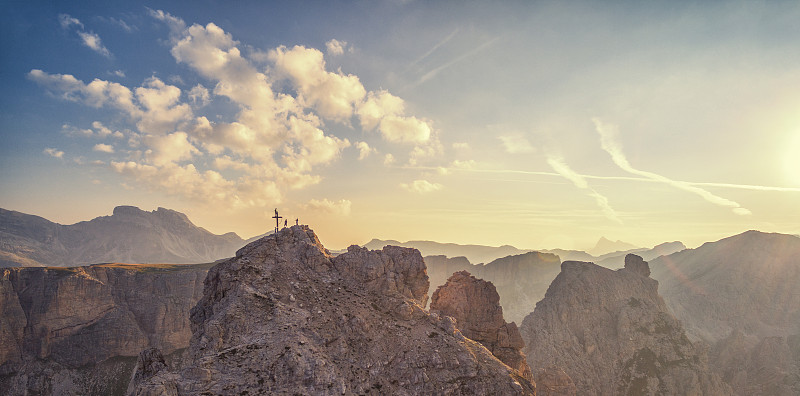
<point x="199" y="95"/>
<point x="388" y="159"/>
<point x="333" y="95"/>
<point x="273" y="143"/>
<point x="463" y="164"/>
<point x="364" y="150"/>
<point x="118" y="73"/>
<point x="421" y="186"/>
<point x="103" y="148"/>
<point x="92" y="40"/>
<point x="341" y="207"/>
<point x="55" y="153"/>
<point x="405" y="129"/>
<point x="461" y="146"/>
<point x="609" y="141"/>
<point x="516" y="144"/>
<point x="172" y="148"/>
<point x="558" y="165"/>
<point x="66" y="21"/>
<point x="335" y="47"/>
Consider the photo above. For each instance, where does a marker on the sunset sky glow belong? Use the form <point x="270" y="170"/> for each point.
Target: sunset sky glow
<point x="534" y="124"/>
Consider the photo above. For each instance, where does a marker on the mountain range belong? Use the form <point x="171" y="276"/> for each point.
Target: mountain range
<point x="129" y="235"/>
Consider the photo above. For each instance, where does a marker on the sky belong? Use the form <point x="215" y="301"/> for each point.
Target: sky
<point x="535" y="124"/>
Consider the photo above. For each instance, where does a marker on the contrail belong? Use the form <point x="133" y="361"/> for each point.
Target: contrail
<point x="558" y="165"/>
<point x="621" y="178"/>
<point x="434" y="48"/>
<point x="610" y="143"/>
<point x="427" y="76"/>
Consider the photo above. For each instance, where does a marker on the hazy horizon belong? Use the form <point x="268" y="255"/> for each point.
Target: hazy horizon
<point x="537" y="125"/>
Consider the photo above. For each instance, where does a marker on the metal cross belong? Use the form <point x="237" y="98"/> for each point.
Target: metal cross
<point x="277" y="220"/>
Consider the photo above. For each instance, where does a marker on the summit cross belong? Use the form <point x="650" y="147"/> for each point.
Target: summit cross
<point x="277" y="220"/>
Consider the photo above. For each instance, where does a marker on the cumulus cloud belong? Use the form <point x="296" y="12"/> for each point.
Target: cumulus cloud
<point x="273" y="142"/>
<point x="55" y="153"/>
<point x="341" y="207"/>
<point x="199" y="95"/>
<point x="333" y="95"/>
<point x="516" y="144"/>
<point x="90" y="39"/>
<point x="558" y="165"/>
<point x="335" y="47"/>
<point x="388" y="159"/>
<point x="421" y="186"/>
<point x="103" y="148"/>
<point x="118" y="73"/>
<point x="364" y="150"/>
<point x="609" y="141"/>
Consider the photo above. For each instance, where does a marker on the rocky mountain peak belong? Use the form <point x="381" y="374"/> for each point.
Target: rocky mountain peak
<point x="475" y="305"/>
<point x="612" y="334"/>
<point x="283" y="316"/>
<point x="637" y="264"/>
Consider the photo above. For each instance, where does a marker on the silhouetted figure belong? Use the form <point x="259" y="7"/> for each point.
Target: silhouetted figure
<point x="285" y="223"/>
<point x="296" y="221"/>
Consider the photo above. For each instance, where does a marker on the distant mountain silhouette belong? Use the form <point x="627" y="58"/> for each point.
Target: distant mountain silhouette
<point x="129" y="235"/>
<point x="741" y="295"/>
<point x="473" y="253"/>
<point x="604" y="246"/>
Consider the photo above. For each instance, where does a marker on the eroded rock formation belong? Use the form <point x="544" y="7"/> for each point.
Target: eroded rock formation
<point x="475" y="305"/>
<point x="284" y="317"/>
<point x="73" y="330"/>
<point x="612" y="334"/>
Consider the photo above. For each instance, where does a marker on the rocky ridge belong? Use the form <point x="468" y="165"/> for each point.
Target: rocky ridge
<point x="613" y="334"/>
<point x="129" y="235"/>
<point x="739" y="294"/>
<point x="475" y="305"/>
<point x="283" y="317"/>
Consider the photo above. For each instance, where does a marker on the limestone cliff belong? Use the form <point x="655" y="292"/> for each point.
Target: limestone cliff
<point x="475" y="305"/>
<point x="284" y="317"/>
<point x="613" y="335"/>
<point x="67" y="327"/>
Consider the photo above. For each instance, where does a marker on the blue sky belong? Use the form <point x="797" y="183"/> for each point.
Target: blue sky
<point x="537" y="124"/>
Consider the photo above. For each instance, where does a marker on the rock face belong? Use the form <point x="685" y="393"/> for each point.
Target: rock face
<point x="130" y="235"/>
<point x="475" y="305"/>
<point x="739" y="294"/>
<point x="284" y="317"/>
<point x="521" y="280"/>
<point x="613" y="335"/>
<point x="553" y="381"/>
<point x="69" y="327"/>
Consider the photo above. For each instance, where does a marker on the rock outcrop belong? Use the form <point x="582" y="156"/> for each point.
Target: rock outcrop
<point x="130" y="235"/>
<point x="521" y="280"/>
<point x="475" y="305"/>
<point x="284" y="317"/>
<point x="613" y="335"/>
<point x="73" y="330"/>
